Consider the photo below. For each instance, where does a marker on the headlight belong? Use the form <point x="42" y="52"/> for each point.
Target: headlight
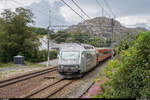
<point x="77" y="67"/>
<point x="61" y="67"/>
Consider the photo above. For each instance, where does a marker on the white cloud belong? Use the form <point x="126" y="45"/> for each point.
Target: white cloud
<point x="12" y="4"/>
<point x="69" y="15"/>
<point x="132" y="20"/>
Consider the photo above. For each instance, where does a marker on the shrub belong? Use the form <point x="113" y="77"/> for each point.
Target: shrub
<point x="53" y="54"/>
<point x="42" y="56"/>
<point x="132" y="78"/>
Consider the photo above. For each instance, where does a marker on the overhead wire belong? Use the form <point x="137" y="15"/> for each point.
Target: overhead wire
<point x="73" y="9"/>
<point x="108" y="6"/>
<point x="81" y="9"/>
<point x="102" y="8"/>
<point x="78" y="14"/>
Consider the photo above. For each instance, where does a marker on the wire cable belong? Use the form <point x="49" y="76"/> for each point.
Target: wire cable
<point x="102" y="7"/>
<point x="108" y="6"/>
<point x="80" y="9"/>
<point x="73" y="10"/>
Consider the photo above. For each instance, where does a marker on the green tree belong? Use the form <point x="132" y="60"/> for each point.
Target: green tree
<point x="17" y="37"/>
<point x="39" y="31"/>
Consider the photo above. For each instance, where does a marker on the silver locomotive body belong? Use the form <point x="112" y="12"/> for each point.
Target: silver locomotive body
<point x="76" y="59"/>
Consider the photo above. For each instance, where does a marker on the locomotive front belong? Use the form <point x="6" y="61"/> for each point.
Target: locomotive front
<point x="69" y="63"/>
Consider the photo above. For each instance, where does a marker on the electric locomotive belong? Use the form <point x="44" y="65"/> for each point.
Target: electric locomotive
<point x="76" y="59"/>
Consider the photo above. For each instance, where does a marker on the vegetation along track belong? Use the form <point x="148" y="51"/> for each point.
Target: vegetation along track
<point x="17" y="79"/>
<point x="50" y="89"/>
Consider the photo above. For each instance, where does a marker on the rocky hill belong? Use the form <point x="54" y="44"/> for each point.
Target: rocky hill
<point x="102" y="27"/>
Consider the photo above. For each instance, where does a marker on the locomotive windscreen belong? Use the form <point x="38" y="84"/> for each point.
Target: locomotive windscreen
<point x="70" y="56"/>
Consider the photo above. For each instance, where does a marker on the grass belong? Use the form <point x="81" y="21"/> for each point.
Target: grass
<point x="32" y="64"/>
<point x="10" y="64"/>
<point x="26" y="63"/>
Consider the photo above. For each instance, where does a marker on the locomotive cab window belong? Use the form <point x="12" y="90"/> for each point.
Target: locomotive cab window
<point x="70" y="55"/>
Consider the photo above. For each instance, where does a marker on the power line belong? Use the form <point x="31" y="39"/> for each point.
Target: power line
<point x="77" y="13"/>
<point x="73" y="10"/>
<point x="82" y="38"/>
<point x="102" y="8"/>
<point x="106" y="2"/>
<point x="80" y="25"/>
<point x="80" y="8"/>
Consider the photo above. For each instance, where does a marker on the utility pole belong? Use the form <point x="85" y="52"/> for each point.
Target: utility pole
<point x="102" y="12"/>
<point x="48" y="39"/>
<point x="112" y="22"/>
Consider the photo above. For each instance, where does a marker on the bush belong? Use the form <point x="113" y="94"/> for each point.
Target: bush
<point x="132" y="78"/>
<point x="53" y="54"/>
<point x="42" y="56"/>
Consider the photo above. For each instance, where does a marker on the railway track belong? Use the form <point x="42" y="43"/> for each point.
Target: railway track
<point x="49" y="90"/>
<point x="82" y="95"/>
<point x="17" y="79"/>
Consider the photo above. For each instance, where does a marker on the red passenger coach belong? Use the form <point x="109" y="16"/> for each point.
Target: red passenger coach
<point x="103" y="53"/>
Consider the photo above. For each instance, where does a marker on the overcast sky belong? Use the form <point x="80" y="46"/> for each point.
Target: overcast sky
<point x="128" y="12"/>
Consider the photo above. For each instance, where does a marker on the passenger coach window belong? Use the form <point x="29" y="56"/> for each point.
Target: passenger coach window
<point x="106" y="52"/>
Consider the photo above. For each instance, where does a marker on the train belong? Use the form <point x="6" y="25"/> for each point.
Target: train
<point x="75" y="59"/>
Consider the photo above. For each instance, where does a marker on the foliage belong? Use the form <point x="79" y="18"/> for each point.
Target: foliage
<point x="124" y="44"/>
<point x="39" y="31"/>
<point x="61" y="36"/>
<point x="53" y="54"/>
<point x="42" y="56"/>
<point x="16" y="36"/>
<point x="10" y="64"/>
<point x="129" y="77"/>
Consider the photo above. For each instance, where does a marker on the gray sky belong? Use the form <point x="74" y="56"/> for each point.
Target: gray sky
<point x="128" y="12"/>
